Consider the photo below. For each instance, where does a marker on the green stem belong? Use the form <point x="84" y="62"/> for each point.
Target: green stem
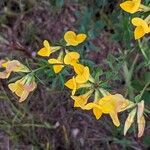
<point x="142" y="50"/>
<point x="145" y="87"/>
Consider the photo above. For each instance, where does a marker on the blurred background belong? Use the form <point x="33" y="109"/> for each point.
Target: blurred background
<point x="47" y="120"/>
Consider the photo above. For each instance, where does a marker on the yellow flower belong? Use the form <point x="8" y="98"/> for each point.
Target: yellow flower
<point x="23" y="87"/>
<point x="47" y="50"/>
<point x="82" y="72"/>
<point x="81" y="100"/>
<point x="71" y="58"/>
<point x="73" y="85"/>
<point x="131" y="6"/>
<point x="141" y="27"/>
<point x="11" y="66"/>
<point x="110" y="104"/>
<point x="59" y="61"/>
<point x="72" y="39"/>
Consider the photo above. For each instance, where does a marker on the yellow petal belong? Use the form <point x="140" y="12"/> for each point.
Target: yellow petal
<point x="141" y="126"/>
<point x="97" y="112"/>
<point x="140" y="23"/>
<point x="91" y="106"/>
<point x="80" y="101"/>
<point x="57" y="68"/>
<point x="71" y="58"/>
<point x="131" y="6"/>
<point x="46" y="44"/>
<point x="12" y="87"/>
<point x="139" y="32"/>
<point x="84" y="77"/>
<point x="129" y="120"/>
<point x="70" y="38"/>
<point x="70" y="84"/>
<point x="78" y="68"/>
<point x="81" y="38"/>
<point x="23" y="96"/>
<point x="75" y="87"/>
<point x="44" y="52"/>
<point x="114" y="118"/>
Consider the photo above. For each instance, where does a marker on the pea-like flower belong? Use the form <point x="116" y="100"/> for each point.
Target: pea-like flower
<point x="11" y="66"/>
<point x="71" y="58"/>
<point x="73" y="85"/>
<point x="81" y="100"/>
<point x="141" y="29"/>
<point x="110" y="104"/>
<point x="83" y="73"/>
<point x="23" y="87"/>
<point x="47" y="50"/>
<point x="131" y="6"/>
<point x="74" y="39"/>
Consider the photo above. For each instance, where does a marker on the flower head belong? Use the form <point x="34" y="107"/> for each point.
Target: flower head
<point x="71" y="58"/>
<point x="141" y="27"/>
<point x="81" y="100"/>
<point x="47" y="50"/>
<point x="73" y="85"/>
<point x="110" y="104"/>
<point x="74" y="39"/>
<point x="11" y="66"/>
<point x="23" y="87"/>
<point x="82" y="72"/>
<point x="131" y="6"/>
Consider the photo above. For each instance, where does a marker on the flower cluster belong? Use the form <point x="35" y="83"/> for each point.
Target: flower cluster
<point x="86" y="92"/>
<point x="142" y="25"/>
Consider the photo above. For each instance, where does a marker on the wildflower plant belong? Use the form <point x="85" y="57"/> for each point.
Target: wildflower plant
<point x="86" y="89"/>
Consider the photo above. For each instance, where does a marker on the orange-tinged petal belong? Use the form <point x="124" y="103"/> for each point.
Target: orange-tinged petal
<point x="4" y="75"/>
<point x="129" y="120"/>
<point x="141" y="126"/>
<point x="23" y="96"/>
<point x="16" y="66"/>
<point x="23" y="87"/>
<point x="97" y="112"/>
